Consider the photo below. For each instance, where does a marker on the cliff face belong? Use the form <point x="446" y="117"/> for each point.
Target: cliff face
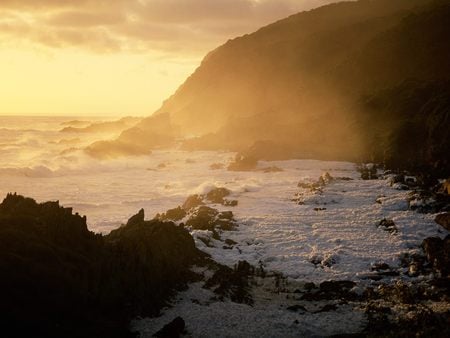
<point x="306" y="83"/>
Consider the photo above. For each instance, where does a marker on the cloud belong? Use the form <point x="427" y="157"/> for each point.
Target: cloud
<point x="191" y="26"/>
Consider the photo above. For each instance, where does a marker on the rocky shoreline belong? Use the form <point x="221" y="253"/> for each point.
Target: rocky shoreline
<point x="62" y="279"/>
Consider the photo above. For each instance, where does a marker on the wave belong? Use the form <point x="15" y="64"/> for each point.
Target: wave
<point x="36" y="171"/>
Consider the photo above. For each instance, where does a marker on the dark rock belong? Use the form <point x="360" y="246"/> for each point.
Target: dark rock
<point x="296" y="308"/>
<point x="380" y="266"/>
<point x="53" y="267"/>
<point x="319" y="209"/>
<point x="175" y="214"/>
<point x="206" y="241"/>
<point x="230" y="203"/>
<point x="217" y="195"/>
<point x="203" y="218"/>
<point x="309" y="286"/>
<point x="336" y="286"/>
<point x="388" y="225"/>
<point x="243" y="163"/>
<point x="136" y="219"/>
<point x="438" y="253"/>
<point x="192" y="201"/>
<point x="330" y="290"/>
<point x="233" y="283"/>
<point x="230" y="242"/>
<point x="228" y="215"/>
<point x="443" y="220"/>
<point x="368" y="172"/>
<point x="207" y="218"/>
<point x="174" y="329"/>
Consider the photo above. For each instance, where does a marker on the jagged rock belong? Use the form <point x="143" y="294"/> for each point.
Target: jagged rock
<point x="174" y="214"/>
<point x="443" y="220"/>
<point x="233" y="283"/>
<point x="174" y="329"/>
<point x="368" y="171"/>
<point x="203" y="218"/>
<point x="52" y="266"/>
<point x="438" y="253"/>
<point x="217" y="195"/>
<point x="330" y="290"/>
<point x="136" y="219"/>
<point x="207" y="218"/>
<point x="192" y="202"/>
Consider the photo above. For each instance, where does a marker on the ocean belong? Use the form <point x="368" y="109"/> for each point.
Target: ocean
<point x="339" y="224"/>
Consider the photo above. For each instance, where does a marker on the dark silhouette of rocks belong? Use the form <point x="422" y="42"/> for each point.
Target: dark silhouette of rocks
<point x="136" y="219"/>
<point x="233" y="283"/>
<point x="217" y="195"/>
<point x="174" y="329"/>
<point x="175" y="214"/>
<point x="438" y="254"/>
<point x="207" y="218"/>
<point x="61" y="280"/>
<point x="443" y="220"/>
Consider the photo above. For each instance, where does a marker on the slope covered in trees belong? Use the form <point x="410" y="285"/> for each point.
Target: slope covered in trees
<point x="344" y="81"/>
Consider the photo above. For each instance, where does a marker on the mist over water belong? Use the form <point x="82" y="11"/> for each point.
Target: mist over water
<point x="40" y="161"/>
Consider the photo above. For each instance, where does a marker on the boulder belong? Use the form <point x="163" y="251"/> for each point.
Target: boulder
<point x="174" y="329"/>
<point x="175" y="214"/>
<point x="217" y="195"/>
<point x="388" y="225"/>
<point x="438" y="253"/>
<point x="443" y="220"/>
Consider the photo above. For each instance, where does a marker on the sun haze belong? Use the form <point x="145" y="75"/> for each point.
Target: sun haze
<point x="120" y="57"/>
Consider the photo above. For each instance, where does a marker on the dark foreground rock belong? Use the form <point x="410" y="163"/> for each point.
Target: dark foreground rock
<point x="233" y="283"/>
<point x="61" y="280"/>
<point x="443" y="220"/>
<point x="438" y="254"/>
<point x="172" y="330"/>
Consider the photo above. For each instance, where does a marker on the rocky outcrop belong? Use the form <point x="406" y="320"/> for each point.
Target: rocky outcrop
<point x="67" y="281"/>
<point x="174" y="329"/>
<point x="443" y="220"/>
<point x="438" y="254"/>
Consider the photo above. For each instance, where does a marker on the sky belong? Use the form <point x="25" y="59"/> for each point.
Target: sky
<point x="115" y="57"/>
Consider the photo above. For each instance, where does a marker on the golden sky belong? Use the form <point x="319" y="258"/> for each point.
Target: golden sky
<point x="115" y="57"/>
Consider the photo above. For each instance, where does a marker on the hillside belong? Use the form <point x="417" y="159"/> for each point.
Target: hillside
<point x="308" y="85"/>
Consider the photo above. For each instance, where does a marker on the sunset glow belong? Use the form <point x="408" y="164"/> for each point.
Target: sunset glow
<point x="121" y="57"/>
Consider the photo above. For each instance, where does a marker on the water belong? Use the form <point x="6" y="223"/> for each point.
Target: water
<point x="39" y="161"/>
